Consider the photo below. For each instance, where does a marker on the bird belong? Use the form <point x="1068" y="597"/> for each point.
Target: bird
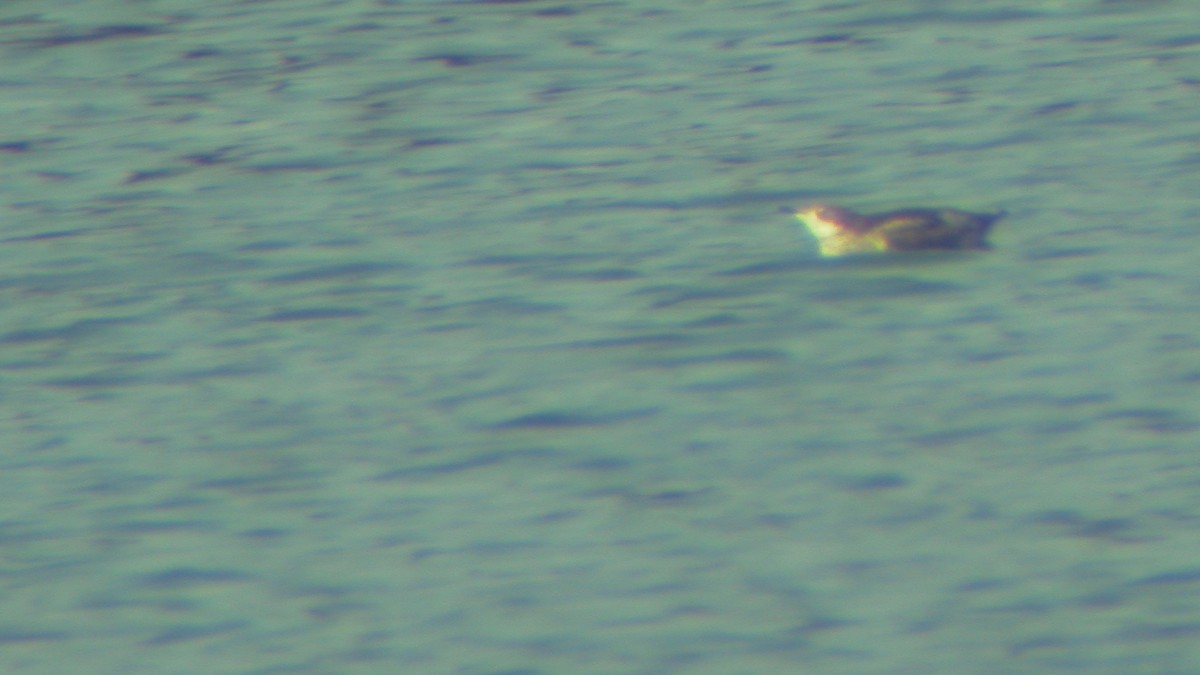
<point x="840" y="231"/>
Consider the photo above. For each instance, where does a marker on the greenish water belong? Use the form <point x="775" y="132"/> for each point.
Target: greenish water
<point x="466" y="337"/>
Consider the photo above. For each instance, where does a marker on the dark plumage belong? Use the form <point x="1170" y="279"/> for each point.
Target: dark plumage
<point x="841" y="231"/>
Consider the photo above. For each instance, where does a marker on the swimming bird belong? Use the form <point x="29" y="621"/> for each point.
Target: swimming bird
<point x="840" y="231"/>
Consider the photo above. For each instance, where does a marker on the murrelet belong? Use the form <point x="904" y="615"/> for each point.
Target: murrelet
<point x="841" y="231"/>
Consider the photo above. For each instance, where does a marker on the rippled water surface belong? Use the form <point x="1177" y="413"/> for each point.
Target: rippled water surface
<point x="466" y="337"/>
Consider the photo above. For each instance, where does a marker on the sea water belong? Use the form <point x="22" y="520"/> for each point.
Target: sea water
<point x="467" y="337"/>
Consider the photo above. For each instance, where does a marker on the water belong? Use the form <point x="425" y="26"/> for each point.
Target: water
<point x="466" y="337"/>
